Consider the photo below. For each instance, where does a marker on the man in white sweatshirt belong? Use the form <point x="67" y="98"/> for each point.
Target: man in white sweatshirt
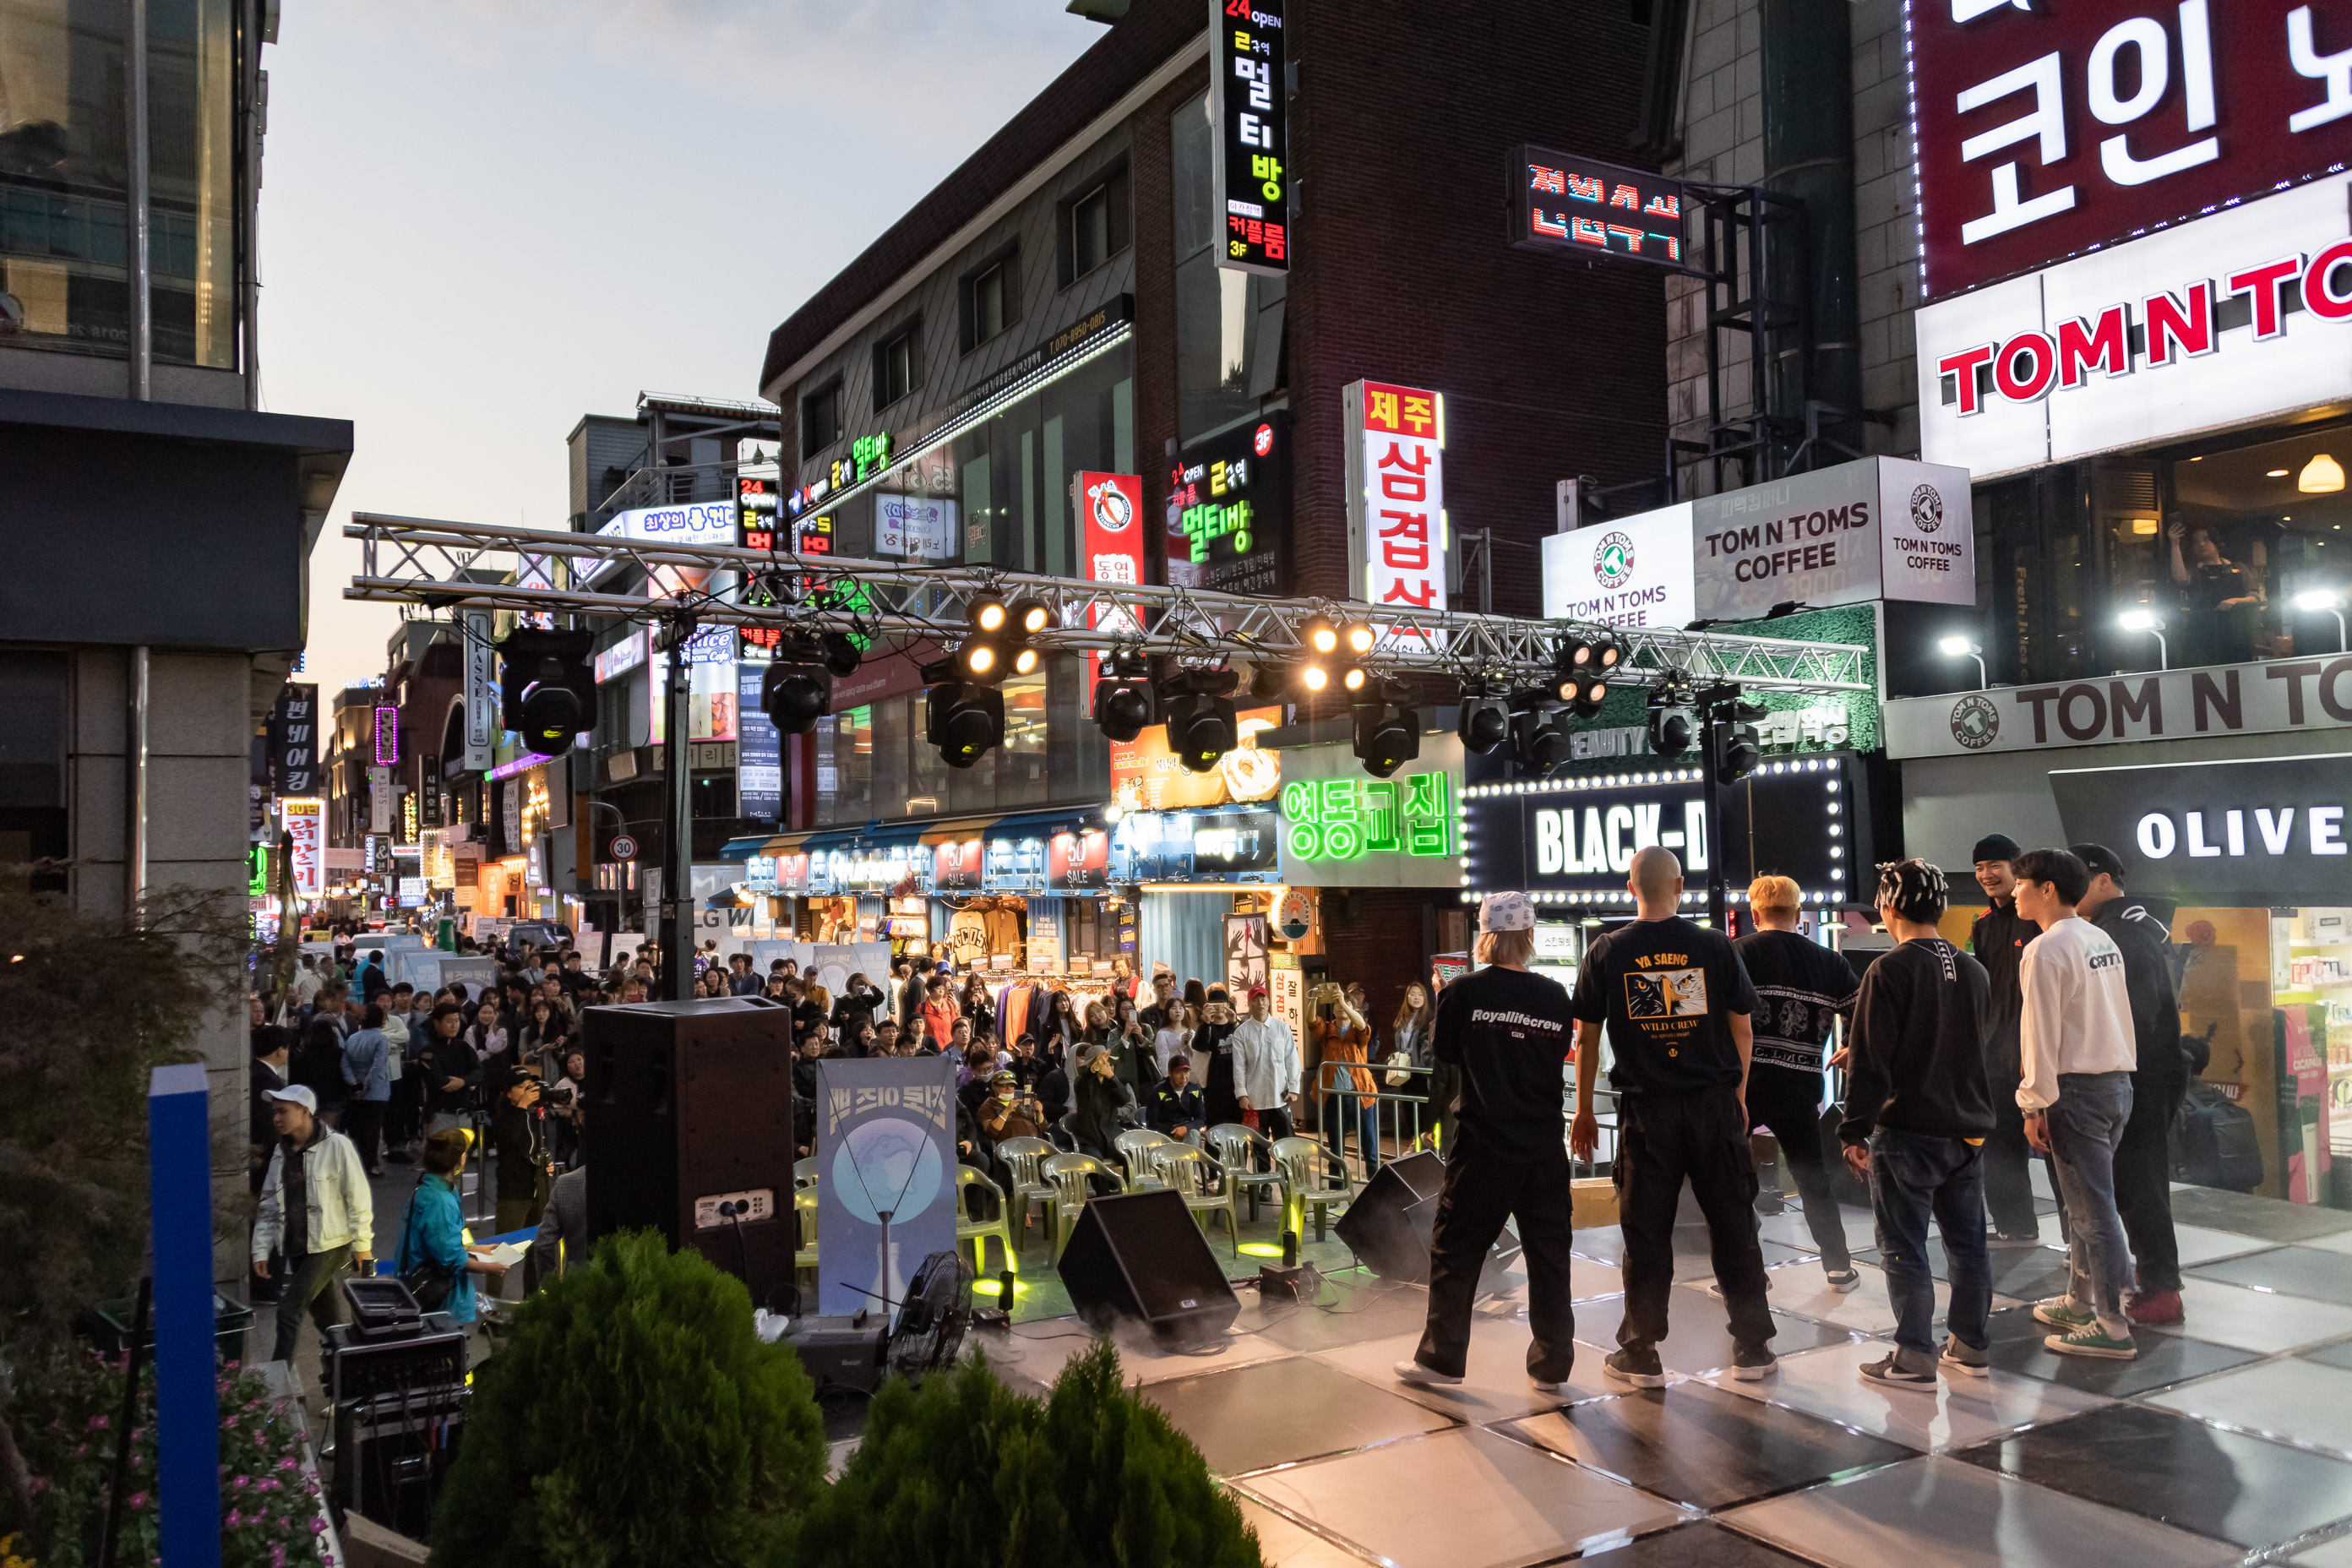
<point x="2077" y="1054"/>
<point x="1266" y="1067"/>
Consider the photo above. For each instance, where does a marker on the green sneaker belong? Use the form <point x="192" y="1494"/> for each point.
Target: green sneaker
<point x="2094" y="1340"/>
<point x="2060" y="1313"/>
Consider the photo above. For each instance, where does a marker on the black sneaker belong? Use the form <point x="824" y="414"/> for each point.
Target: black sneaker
<point x="1889" y="1372"/>
<point x="2015" y="1239"/>
<point x="1639" y="1368"/>
<point x="1750" y="1362"/>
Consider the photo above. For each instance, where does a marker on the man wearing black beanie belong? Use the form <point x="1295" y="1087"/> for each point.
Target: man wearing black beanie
<point x="1999" y="940"/>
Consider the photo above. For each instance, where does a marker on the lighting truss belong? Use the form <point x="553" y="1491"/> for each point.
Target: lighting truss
<point x="447" y="565"/>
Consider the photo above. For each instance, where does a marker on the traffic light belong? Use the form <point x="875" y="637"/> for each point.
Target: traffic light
<point x="546" y="688"/>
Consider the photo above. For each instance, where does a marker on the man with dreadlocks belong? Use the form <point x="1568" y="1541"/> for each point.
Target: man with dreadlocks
<point x="1918" y="1108"/>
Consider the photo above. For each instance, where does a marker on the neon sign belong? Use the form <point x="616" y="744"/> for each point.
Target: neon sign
<point x="1348" y="818"/>
<point x="1563" y="201"/>
<point x="387" y="736"/>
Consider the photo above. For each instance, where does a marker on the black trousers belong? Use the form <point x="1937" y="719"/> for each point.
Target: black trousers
<point x="1444" y="1083"/>
<point x="2008" y="1190"/>
<point x="1789" y="1106"/>
<point x="1483" y="1188"/>
<point x="364" y="1125"/>
<point x="1662" y="1140"/>
<point x="2144" y="1182"/>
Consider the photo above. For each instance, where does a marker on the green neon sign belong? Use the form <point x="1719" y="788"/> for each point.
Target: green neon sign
<point x="257" y="871"/>
<point x="1348" y="818"/>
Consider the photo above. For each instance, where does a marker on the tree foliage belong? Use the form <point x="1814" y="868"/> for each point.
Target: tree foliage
<point x="966" y="1472"/>
<point x="632" y="1417"/>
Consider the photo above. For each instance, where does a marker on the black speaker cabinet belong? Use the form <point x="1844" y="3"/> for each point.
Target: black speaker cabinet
<point x="1387" y="1224"/>
<point x="1141" y="1255"/>
<point x="689" y="1107"/>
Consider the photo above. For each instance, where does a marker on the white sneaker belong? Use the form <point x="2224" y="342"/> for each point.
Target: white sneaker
<point x="1715" y="1286"/>
<point x="1420" y="1376"/>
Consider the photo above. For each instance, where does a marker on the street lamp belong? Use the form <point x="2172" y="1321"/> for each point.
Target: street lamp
<point x="1961" y="648"/>
<point x="2151" y="623"/>
<point x="2313" y="600"/>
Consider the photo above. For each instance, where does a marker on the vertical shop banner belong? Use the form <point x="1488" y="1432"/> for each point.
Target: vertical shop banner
<point x="1109" y="506"/>
<point x="1285" y="993"/>
<point x="379" y="799"/>
<point x="306" y="832"/>
<point x="294" y="742"/>
<point x="760" y="751"/>
<point x="1396" y="495"/>
<point x="885" y="1145"/>
<point x="1046" y="936"/>
<point x="1247" y="94"/>
<point x="482" y="696"/>
<point x="1245" y="955"/>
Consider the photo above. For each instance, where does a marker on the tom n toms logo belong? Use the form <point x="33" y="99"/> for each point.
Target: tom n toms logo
<point x="2151" y="333"/>
<point x="1612" y="560"/>
<point x="1976" y="722"/>
<point x="1926" y="509"/>
<point x="1112" y="509"/>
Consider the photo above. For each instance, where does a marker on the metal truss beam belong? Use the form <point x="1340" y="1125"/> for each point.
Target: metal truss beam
<point x="438" y="566"/>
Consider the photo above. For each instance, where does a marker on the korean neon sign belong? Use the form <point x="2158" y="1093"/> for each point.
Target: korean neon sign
<point x="1563" y="201"/>
<point x="1247" y="100"/>
<point x="387" y="736"/>
<point x="1348" y="818"/>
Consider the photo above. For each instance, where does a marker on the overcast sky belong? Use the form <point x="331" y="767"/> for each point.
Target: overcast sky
<point x="481" y="219"/>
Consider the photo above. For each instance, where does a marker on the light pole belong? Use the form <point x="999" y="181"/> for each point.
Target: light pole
<point x="2151" y="623"/>
<point x="2313" y="600"/>
<point x="1961" y="648"/>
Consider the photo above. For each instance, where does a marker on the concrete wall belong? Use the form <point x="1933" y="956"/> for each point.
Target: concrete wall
<point x="201" y="712"/>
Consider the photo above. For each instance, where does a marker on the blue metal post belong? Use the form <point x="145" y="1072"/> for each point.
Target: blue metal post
<point x="187" y="1402"/>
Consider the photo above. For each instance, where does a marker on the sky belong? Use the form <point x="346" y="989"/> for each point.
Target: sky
<point x="481" y="219"/>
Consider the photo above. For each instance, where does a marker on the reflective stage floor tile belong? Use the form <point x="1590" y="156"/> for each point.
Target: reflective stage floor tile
<point x="1697" y="1338"/>
<point x="2163" y="1359"/>
<point x="2256" y="1320"/>
<point x="2176" y="1471"/>
<point x="1040" y="1351"/>
<point x="2247" y="1215"/>
<point x="2295" y="1401"/>
<point x="1367" y="1309"/>
<point x="1692" y="1442"/>
<point x="1463" y="1497"/>
<point x="2310" y="1272"/>
<point x="1283" y="1542"/>
<point x="1283" y="1411"/>
<point x="2199" y="1244"/>
<point x="1701" y="1545"/>
<point x="1495" y="1385"/>
<point x="1961" y="1410"/>
<point x="1937" y="1511"/>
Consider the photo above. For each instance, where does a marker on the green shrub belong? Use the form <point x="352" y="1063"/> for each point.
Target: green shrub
<point x="633" y="1416"/>
<point x="967" y="1473"/>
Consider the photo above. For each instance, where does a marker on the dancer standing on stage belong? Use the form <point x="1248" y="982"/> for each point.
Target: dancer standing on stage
<point x="1508" y="1031"/>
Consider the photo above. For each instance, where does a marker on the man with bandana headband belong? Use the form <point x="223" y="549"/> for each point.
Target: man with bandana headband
<point x="1918" y="1108"/>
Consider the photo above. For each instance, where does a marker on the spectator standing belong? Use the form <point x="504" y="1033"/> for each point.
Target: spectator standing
<point x="270" y="1048"/>
<point x="941" y="1012"/>
<point x="433" y="1236"/>
<point x="1172" y="1037"/>
<point x="2159" y="1082"/>
<point x="1801" y="987"/>
<point x="1999" y="940"/>
<point x="1919" y="1109"/>
<point x="1677" y="1006"/>
<point x="1264" y="1055"/>
<point x="2075" y="1040"/>
<point x="562" y="1235"/>
<point x="526" y="1155"/>
<point x="367" y="1078"/>
<point x="316" y="1209"/>
<point x="318" y="1066"/>
<point x="1343" y="1084"/>
<point x="450" y="1069"/>
<point x="1101" y="1099"/>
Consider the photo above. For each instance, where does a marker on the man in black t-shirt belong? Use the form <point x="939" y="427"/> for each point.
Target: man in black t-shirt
<point x="1801" y="987"/>
<point x="1507" y="1031"/>
<point x="1677" y="1003"/>
<point x="1998" y="941"/>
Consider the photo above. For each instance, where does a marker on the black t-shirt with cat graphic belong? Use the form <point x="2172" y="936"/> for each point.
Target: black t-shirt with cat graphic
<point x="1666" y="990"/>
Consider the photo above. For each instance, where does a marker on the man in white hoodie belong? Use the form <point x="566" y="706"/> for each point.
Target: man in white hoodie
<point x="2077" y="1054"/>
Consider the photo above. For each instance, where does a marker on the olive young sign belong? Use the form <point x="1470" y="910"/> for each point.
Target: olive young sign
<point x="1572" y="841"/>
<point x="2258" y="832"/>
<point x="1880" y="528"/>
<point x="2226" y="319"/>
<point x="2218" y="699"/>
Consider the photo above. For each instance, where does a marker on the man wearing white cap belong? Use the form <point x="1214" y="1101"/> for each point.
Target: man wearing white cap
<point x="316" y="1206"/>
<point x="1507" y="1031"/>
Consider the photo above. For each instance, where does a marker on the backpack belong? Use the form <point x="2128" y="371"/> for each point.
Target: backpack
<point x="2213" y="1142"/>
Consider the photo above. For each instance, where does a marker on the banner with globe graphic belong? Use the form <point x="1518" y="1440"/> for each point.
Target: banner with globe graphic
<point x="886" y="1144"/>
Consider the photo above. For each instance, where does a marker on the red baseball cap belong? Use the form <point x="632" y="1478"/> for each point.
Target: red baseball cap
<point x="1258" y="991"/>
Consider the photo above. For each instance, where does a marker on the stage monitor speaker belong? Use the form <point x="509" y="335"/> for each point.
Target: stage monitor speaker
<point x="688" y="1107"/>
<point x="1142" y="1257"/>
<point x="1387" y="1224"/>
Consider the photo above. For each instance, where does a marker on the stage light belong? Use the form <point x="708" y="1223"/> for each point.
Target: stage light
<point x="963" y="720"/>
<point x="795" y="694"/>
<point x="1358" y="636"/>
<point x="1353" y="678"/>
<point x="1025" y="662"/>
<point x="1199" y="710"/>
<point x="1029" y="616"/>
<point x="980" y="659"/>
<point x="1484" y="721"/>
<point x="1387" y="736"/>
<point x="841" y="654"/>
<point x="1671" y="724"/>
<point x="1313" y="677"/>
<point x="1539" y="743"/>
<point x="546" y="688"/>
<point x="1585" y="696"/>
<point x="1123" y="703"/>
<point x="1319" y="634"/>
<point x="988" y="615"/>
<point x="1739" y="749"/>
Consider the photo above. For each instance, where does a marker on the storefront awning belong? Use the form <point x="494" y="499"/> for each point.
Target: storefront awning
<point x="962" y="830"/>
<point x="743" y="849"/>
<point x="1037" y="824"/>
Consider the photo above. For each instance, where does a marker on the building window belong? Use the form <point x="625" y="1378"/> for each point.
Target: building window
<point x="1229" y="325"/>
<point x="1094" y="226"/>
<point x="992" y="300"/>
<point x="821" y="418"/>
<point x="32" y="824"/>
<point x="894" y="368"/>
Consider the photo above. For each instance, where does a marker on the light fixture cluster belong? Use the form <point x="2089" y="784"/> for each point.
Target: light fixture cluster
<point x="1387" y="731"/>
<point x="963" y="711"/>
<point x="1582" y="668"/>
<point x="1334" y="659"/>
<point x="1003" y="640"/>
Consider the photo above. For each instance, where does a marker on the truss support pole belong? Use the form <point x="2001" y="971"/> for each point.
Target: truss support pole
<point x="678" y="874"/>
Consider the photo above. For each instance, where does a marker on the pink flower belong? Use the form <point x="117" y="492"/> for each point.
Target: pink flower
<point x="286" y="1463"/>
<point x="98" y="1423"/>
<point x="137" y="1499"/>
<point x="278" y="1557"/>
<point x="233" y="1518"/>
<point x="240" y="1483"/>
<point x="317" y="1525"/>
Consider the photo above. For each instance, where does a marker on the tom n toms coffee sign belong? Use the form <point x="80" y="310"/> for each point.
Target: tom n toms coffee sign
<point x="2220" y="699"/>
<point x="2262" y="832"/>
<point x="1879" y="528"/>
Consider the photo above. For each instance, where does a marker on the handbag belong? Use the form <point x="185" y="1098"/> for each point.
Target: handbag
<point x="431" y="1284"/>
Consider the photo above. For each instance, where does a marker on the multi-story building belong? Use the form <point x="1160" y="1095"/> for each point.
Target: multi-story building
<point x="130" y="439"/>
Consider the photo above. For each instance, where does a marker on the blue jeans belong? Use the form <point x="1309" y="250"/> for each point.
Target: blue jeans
<point x="1912" y="1176"/>
<point x="1345" y="1106"/>
<point x="2085" y="1125"/>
